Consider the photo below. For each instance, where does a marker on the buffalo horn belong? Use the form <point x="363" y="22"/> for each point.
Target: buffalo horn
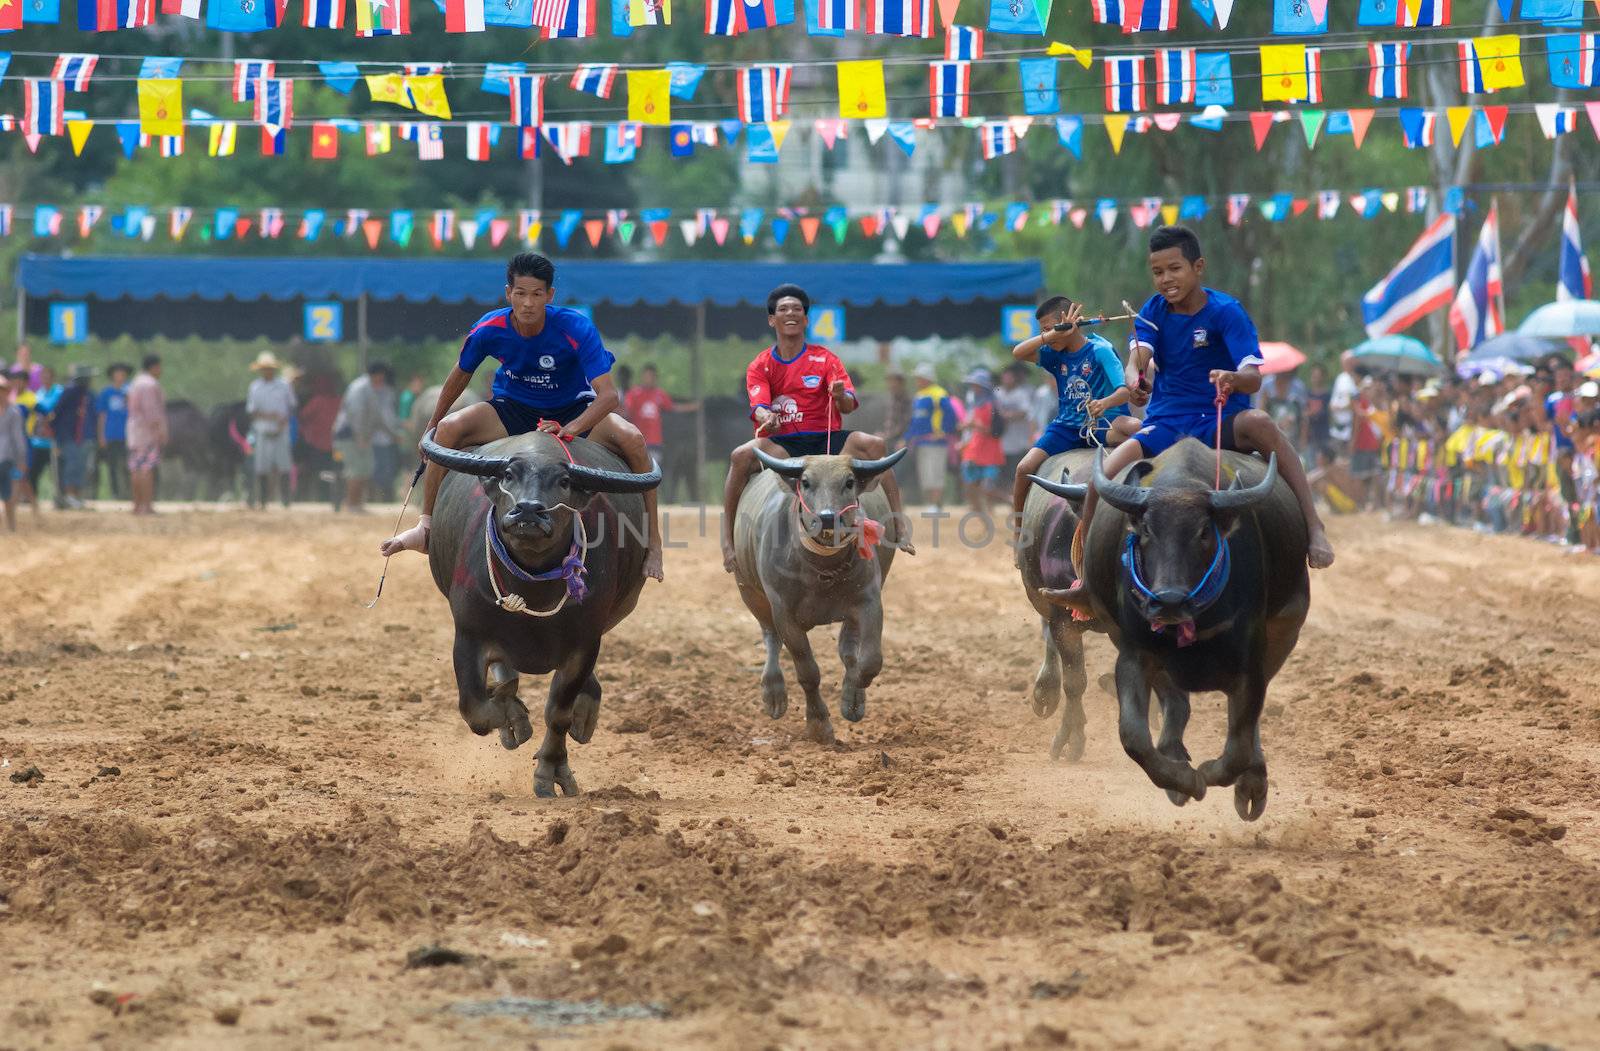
<point x="466" y="463"/>
<point x="596" y="480"/>
<point x="868" y="468"/>
<point x="1126" y="498"/>
<point x="790" y="468"/>
<point x="1239" y="499"/>
<point x="1065" y="490"/>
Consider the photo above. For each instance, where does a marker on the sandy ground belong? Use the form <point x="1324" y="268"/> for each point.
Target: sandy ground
<point x="258" y="800"/>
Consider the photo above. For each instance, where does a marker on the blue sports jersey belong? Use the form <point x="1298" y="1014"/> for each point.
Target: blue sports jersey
<point x="1188" y="346"/>
<point x="1553" y="404"/>
<point x="1090" y="373"/>
<point x="552" y="369"/>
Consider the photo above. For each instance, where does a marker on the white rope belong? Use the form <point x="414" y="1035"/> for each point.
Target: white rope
<point x="514" y="603"/>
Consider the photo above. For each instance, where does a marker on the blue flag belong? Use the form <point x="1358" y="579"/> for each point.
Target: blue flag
<point x="567" y="225"/>
<point x="1213" y="73"/>
<point x="1008" y="16"/>
<point x="812" y="28"/>
<point x="730" y="130"/>
<point x="515" y="13"/>
<point x="1482" y="133"/>
<point x="1070" y="131"/>
<point x="780" y="231"/>
<point x="1339" y="123"/>
<point x="241" y="16"/>
<point x="41" y="12"/>
<point x="497" y="76"/>
<point x="760" y="147"/>
<point x="312" y="222"/>
<point x="619" y="19"/>
<point x="620" y="148"/>
<point x="682" y="141"/>
<point x="904" y="134"/>
<point x="685" y="78"/>
<point x="128" y="135"/>
<point x="226" y="217"/>
<point x="1295" y="17"/>
<point x="157" y="68"/>
<point x="1038" y="77"/>
<point x="1568" y="68"/>
<point x="1379" y="13"/>
<point x="1554" y="12"/>
<point x="401" y="225"/>
<point x="1206" y="10"/>
<point x="5" y="63"/>
<point x="342" y="76"/>
<point x="1193" y="207"/>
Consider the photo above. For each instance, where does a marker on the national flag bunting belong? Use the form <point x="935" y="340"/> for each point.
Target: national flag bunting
<point x="1388" y="80"/>
<point x="963" y="43"/>
<point x="569" y="138"/>
<point x="842" y="15"/>
<point x="1125" y="84"/>
<point x="1574" y="60"/>
<point x="1479" y="310"/>
<point x="1140" y="16"/>
<point x="1106" y="12"/>
<point x="763" y="93"/>
<point x="375" y="18"/>
<point x="1417" y="127"/>
<point x="1291" y="73"/>
<point x="42" y="111"/>
<point x="324" y="14"/>
<point x="998" y="137"/>
<point x="726" y="17"/>
<point x="595" y="79"/>
<point x="900" y="17"/>
<point x="273" y="141"/>
<point x="1555" y="119"/>
<point x="247" y="73"/>
<point x="527" y="101"/>
<point x="101" y="16"/>
<point x="275" y="103"/>
<point x="949" y="84"/>
<point x="1575" y="281"/>
<point x="324" y="142"/>
<point x="1422" y="281"/>
<point x="577" y="21"/>
<point x="480" y="140"/>
<point x="462" y="16"/>
<point x="1175" y="75"/>
<point x="1471" y="71"/>
<point x="74" y="71"/>
<point x="1415" y="14"/>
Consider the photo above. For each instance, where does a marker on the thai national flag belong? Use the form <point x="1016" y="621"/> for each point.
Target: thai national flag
<point x="1417" y="127"/>
<point x="99" y="16"/>
<point x="480" y="140"/>
<point x="1479" y="310"/>
<point x="324" y="14"/>
<point x="1575" y="281"/>
<point x="1175" y="75"/>
<point x="595" y="79"/>
<point x="527" y="101"/>
<point x="1125" y="84"/>
<point x="948" y="87"/>
<point x="1107" y="12"/>
<point x="42" y="112"/>
<point x="74" y="71"/>
<point x="1471" y="71"/>
<point x="577" y="20"/>
<point x="275" y="103"/>
<point x="1314" y="75"/>
<point x="726" y="17"/>
<point x="443" y="227"/>
<point x="172" y="145"/>
<point x="570" y="139"/>
<point x="999" y="138"/>
<point x="1421" y="282"/>
<point x="838" y="14"/>
<point x="963" y="43"/>
<point x="763" y="93"/>
<point x="461" y="16"/>
<point x="247" y="73"/>
<point x="1140" y="16"/>
<point x="1429" y="13"/>
<point x="1387" y="80"/>
<point x="900" y="17"/>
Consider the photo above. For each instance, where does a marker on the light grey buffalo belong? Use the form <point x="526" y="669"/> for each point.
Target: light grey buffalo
<point x="800" y="565"/>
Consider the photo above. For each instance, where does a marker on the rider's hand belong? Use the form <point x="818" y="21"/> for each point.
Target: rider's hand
<point x="766" y="422"/>
<point x="1223" y="380"/>
<point x="1094" y="408"/>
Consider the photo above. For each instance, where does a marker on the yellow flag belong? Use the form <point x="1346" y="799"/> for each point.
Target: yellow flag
<point x="1083" y="55"/>
<point x="649" y="96"/>
<point x="861" y="92"/>
<point x="161" y="106"/>
<point x="1283" y="73"/>
<point x="427" y="95"/>
<point x="1116" y="127"/>
<point x="1499" y="61"/>
<point x="222" y="139"/>
<point x="78" y="132"/>
<point x="1169" y="214"/>
<point x="388" y="87"/>
<point x="780" y="131"/>
<point x="649" y="12"/>
<point x="1458" y="117"/>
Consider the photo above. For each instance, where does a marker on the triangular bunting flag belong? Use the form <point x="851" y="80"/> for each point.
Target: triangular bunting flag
<point x="593" y="228"/>
<point x="1497" y="121"/>
<point x="1260" y="125"/>
<point x="1459" y="117"/>
<point x="1311" y="123"/>
<point x="658" y="231"/>
<point x="1116" y="128"/>
<point x="1593" y="109"/>
<point x="372" y="228"/>
<point x="808" y="228"/>
<point x="1360" y="121"/>
<point x="690" y="230"/>
<point x="1020" y="126"/>
<point x="78" y="131"/>
<point x="1169" y="214"/>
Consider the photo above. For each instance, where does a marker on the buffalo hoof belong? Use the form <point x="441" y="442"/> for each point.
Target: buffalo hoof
<point x="1178" y="798"/>
<point x="775" y="700"/>
<point x="585" y="714"/>
<point x="1250" y="794"/>
<point x="1046" y="699"/>
<point x="853" y="704"/>
<point x="546" y="776"/>
<point x="1108" y="683"/>
<point x="1070" y="742"/>
<point x="820" y="731"/>
<point x="517" y="729"/>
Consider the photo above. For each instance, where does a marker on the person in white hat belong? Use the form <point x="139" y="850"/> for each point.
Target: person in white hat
<point x="271" y="404"/>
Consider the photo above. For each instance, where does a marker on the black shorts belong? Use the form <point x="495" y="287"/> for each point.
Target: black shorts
<point x="518" y="418"/>
<point x="815" y="443"/>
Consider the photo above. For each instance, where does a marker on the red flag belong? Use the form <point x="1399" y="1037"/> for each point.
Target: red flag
<point x="1261" y="123"/>
<point x="324" y="142"/>
<point x="808" y="228"/>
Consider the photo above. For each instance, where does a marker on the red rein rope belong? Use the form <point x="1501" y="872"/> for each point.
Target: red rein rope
<point x="1222" y="399"/>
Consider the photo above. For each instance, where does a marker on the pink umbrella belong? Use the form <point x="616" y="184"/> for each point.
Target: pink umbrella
<point x="1281" y="357"/>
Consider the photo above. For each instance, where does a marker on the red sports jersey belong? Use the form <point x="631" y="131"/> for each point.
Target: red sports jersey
<point x="797" y="389"/>
<point x="644" y="408"/>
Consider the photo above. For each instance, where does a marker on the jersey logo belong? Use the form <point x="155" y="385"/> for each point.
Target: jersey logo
<point x="571" y="340"/>
<point x="811" y="382"/>
<point x="755" y="392"/>
<point x="1202" y="338"/>
<point x="818" y="357"/>
<point x="547" y="362"/>
<point x="1086" y="368"/>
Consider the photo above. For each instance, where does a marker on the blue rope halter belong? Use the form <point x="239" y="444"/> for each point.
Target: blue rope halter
<point x="571" y="569"/>
<point x="1203" y="594"/>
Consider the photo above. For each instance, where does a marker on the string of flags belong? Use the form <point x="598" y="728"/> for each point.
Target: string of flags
<point x="491" y="228"/>
<point x="556" y="19"/>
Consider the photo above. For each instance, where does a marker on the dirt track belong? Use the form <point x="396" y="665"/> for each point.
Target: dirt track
<point x="299" y="806"/>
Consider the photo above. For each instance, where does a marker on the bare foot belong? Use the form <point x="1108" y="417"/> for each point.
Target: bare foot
<point x="730" y="558"/>
<point x="413" y="539"/>
<point x="652" y="564"/>
<point x="1074" y="598"/>
<point x="898" y="535"/>
<point x="1319" y="553"/>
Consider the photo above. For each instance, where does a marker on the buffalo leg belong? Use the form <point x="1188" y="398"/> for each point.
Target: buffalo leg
<point x="1174" y="721"/>
<point x="774" y="694"/>
<point x="1133" y="726"/>
<point x="1242" y="763"/>
<point x="515" y="730"/>
<point x="1047" y="683"/>
<point x="585" y="711"/>
<point x="818" y="726"/>
<point x="565" y="686"/>
<point x="1066" y="640"/>
<point x="481" y="711"/>
<point x="864" y="635"/>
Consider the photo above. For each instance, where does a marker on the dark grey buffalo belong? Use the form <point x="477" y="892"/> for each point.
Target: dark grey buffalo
<point x="1045" y="562"/>
<point x="539" y="557"/>
<point x="1200" y="590"/>
<point x="799" y="566"/>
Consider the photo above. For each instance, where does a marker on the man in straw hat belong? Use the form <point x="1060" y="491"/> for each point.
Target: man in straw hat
<point x="271" y="404"/>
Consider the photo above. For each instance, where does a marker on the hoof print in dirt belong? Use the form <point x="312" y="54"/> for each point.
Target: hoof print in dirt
<point x="437" y="956"/>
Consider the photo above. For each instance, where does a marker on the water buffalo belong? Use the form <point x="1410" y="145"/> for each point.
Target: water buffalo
<point x="211" y="447"/>
<point x="1200" y="589"/>
<point x="539" y="557"/>
<point x="807" y="557"/>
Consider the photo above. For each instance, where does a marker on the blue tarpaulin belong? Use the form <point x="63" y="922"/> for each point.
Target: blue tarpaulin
<point x="460" y="281"/>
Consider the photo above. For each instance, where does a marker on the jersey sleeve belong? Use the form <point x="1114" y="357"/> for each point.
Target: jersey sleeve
<point x="837" y="371"/>
<point x="592" y="353"/>
<point x="1145" y="324"/>
<point x="757" y="384"/>
<point x="1109" y="364"/>
<point x="474" y="349"/>
<point x="1239" y="334"/>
